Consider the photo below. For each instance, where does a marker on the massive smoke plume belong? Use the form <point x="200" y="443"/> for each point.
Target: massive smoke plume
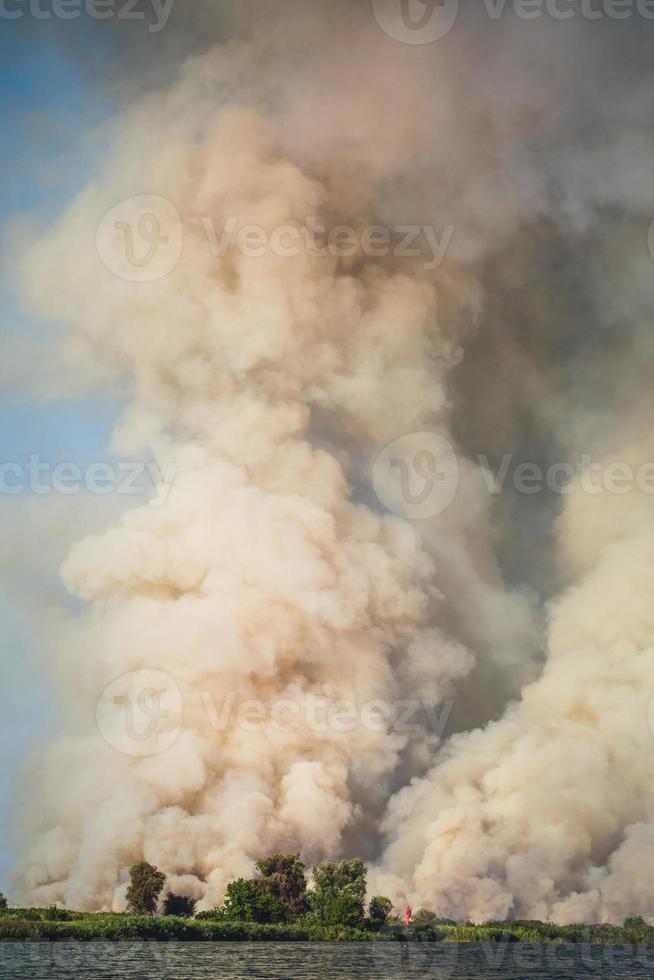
<point x="269" y="384"/>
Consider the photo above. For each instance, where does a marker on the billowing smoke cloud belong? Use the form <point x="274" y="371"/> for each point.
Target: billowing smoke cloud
<point x="547" y="812"/>
<point x="268" y="383"/>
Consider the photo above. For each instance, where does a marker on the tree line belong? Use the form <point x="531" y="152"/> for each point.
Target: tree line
<point x="278" y="893"/>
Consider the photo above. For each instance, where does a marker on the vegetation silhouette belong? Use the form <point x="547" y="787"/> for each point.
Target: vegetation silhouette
<point x="279" y="904"/>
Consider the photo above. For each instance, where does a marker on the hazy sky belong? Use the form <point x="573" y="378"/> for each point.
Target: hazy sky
<point x="44" y="110"/>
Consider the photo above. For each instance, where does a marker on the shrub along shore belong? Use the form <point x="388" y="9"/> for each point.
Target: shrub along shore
<point x="278" y="906"/>
<point x="35" y="925"/>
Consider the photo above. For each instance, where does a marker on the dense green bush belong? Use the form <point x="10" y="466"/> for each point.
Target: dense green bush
<point x="33" y="924"/>
<point x="283" y="876"/>
<point x="145" y="885"/>
<point x="54" y="914"/>
<point x="339" y="891"/>
<point x="278" y="894"/>
<point x="211" y="915"/>
<point x="180" y="905"/>
<point x="379" y="909"/>
<point x="251" y="901"/>
<point x="116" y="928"/>
<point x="425" y="917"/>
<point x="634" y="922"/>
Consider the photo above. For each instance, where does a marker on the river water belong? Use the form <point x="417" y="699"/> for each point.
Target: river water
<point x="321" y="961"/>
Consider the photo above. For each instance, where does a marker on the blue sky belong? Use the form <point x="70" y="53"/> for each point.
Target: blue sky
<point x="46" y="107"/>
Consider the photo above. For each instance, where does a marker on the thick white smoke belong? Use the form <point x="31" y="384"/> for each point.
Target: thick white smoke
<point x="261" y="574"/>
<point x="268" y="383"/>
<point x="547" y="813"/>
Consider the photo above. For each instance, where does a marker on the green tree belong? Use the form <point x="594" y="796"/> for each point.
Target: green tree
<point x="283" y="876"/>
<point x="379" y="909"/>
<point x="179" y="905"/>
<point x="248" y="900"/>
<point x="634" y="922"/>
<point x="3" y="902"/>
<point x="339" y="892"/>
<point x="54" y="914"/>
<point x="424" y="917"/>
<point x="145" y="884"/>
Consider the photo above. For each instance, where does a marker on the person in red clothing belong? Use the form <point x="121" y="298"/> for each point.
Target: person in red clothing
<point x="407" y="915"/>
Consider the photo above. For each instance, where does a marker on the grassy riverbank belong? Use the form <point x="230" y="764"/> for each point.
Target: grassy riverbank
<point x="60" y="924"/>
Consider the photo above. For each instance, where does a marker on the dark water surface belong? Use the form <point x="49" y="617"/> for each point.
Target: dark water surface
<point x="321" y="961"/>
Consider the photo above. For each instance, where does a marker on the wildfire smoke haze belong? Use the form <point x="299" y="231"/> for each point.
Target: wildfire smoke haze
<point x="281" y="563"/>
